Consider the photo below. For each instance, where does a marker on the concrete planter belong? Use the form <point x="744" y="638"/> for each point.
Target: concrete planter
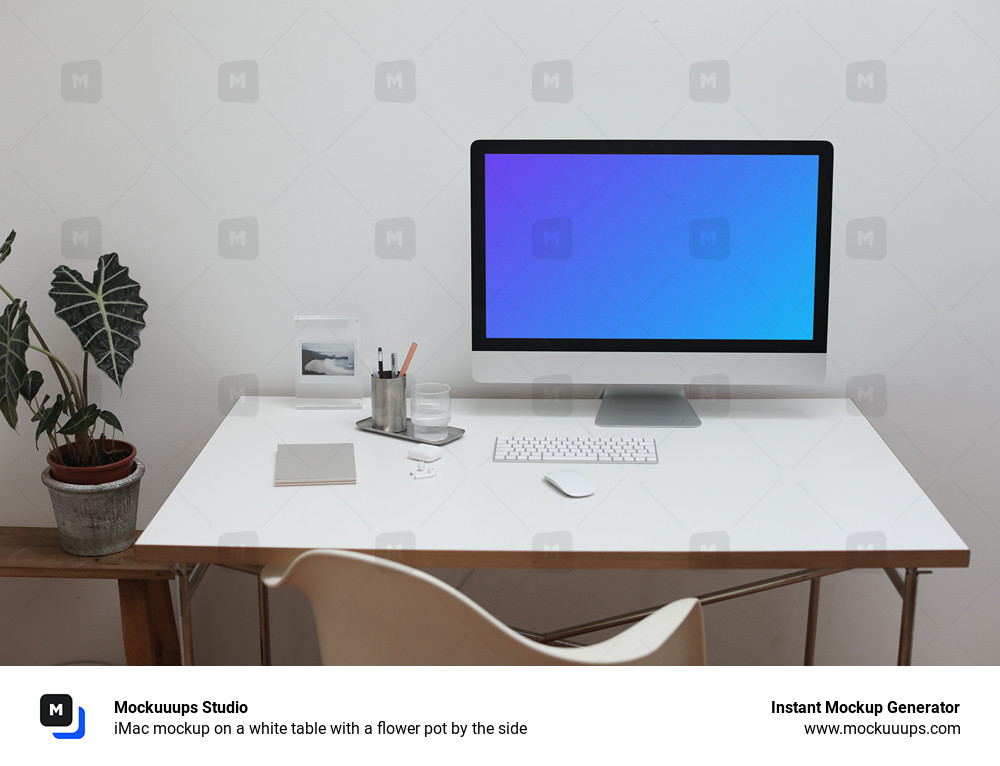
<point x="95" y="519"/>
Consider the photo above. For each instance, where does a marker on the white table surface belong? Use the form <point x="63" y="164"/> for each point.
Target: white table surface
<point x="761" y="484"/>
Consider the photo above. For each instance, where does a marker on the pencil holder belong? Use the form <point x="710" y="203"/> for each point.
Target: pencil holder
<point x="389" y="404"/>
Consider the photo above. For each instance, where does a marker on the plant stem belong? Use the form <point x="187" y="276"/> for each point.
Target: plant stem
<point x="7" y="293"/>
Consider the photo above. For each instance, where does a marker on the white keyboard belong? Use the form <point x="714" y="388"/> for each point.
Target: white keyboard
<point x="583" y="449"/>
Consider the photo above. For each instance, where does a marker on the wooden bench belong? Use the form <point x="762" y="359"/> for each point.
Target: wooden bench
<point x="149" y="629"/>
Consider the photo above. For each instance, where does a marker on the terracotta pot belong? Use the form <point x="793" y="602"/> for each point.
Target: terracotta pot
<point x="100" y="474"/>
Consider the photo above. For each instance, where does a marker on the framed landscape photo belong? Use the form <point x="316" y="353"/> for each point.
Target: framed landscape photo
<point x="325" y="373"/>
<point x="327" y="358"/>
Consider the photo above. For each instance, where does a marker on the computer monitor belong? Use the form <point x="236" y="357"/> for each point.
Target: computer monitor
<point x="645" y="265"/>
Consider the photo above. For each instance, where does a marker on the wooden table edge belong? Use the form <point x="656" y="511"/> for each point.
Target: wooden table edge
<point x="36" y="552"/>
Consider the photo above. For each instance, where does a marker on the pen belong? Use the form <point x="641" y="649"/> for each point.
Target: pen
<point x="406" y="362"/>
<point x="393" y="364"/>
<point x="380" y="370"/>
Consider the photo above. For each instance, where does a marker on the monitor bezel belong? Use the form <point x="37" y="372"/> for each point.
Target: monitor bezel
<point x="823" y="150"/>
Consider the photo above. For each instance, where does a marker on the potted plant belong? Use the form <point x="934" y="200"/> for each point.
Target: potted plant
<point x="92" y="476"/>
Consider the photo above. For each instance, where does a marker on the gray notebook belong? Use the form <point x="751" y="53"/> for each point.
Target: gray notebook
<point x="299" y="464"/>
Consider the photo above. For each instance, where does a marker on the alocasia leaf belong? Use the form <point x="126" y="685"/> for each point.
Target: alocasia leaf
<point x="105" y="314"/>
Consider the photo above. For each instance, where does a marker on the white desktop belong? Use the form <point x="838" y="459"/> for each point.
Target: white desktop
<point x="648" y="265"/>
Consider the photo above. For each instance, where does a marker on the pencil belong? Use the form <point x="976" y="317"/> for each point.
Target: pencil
<point x="406" y="362"/>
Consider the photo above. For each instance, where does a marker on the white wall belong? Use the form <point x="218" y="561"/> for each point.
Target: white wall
<point x="162" y="126"/>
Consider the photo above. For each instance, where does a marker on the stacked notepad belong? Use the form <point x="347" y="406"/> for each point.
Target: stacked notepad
<point x="304" y="464"/>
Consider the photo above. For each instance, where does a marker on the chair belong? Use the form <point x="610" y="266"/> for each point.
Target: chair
<point x="372" y="611"/>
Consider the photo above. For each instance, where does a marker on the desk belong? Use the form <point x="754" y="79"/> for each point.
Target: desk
<point x="766" y="484"/>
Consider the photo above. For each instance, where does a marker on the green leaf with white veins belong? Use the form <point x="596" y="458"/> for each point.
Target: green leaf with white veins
<point x="81" y="421"/>
<point x="48" y="417"/>
<point x="32" y="385"/>
<point x="5" y="247"/>
<point x="106" y="314"/>
<point x="13" y="368"/>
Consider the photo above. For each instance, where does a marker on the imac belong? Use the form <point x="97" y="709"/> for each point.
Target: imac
<point x="645" y="265"/>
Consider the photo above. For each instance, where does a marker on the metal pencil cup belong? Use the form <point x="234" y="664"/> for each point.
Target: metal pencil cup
<point x="389" y="404"/>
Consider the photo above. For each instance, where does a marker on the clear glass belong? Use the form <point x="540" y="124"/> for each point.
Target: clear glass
<point x="430" y="410"/>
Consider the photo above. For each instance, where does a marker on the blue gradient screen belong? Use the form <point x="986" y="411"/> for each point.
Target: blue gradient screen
<point x="650" y="246"/>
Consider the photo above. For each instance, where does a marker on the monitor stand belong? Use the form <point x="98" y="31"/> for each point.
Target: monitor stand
<point x="646" y="407"/>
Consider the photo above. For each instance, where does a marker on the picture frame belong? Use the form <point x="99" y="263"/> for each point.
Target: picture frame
<point x="325" y="351"/>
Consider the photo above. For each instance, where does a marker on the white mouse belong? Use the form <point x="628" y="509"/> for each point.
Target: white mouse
<point x="572" y="483"/>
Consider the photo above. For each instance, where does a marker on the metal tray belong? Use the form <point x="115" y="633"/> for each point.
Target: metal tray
<point x="453" y="433"/>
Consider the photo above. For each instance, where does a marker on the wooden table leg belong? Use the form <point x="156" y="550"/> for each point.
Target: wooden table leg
<point x="148" y="625"/>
